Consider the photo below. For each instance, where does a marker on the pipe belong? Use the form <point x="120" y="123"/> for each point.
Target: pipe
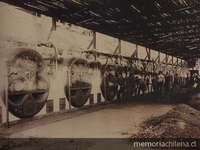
<point x="6" y="93"/>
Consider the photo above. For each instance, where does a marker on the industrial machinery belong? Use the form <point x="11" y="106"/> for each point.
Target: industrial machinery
<point x="78" y="86"/>
<point x="26" y="79"/>
<point x="26" y="85"/>
<point x="109" y="84"/>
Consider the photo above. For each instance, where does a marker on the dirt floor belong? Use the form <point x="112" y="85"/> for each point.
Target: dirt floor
<point x="118" y="121"/>
<point x="110" y="125"/>
<point x="113" y="121"/>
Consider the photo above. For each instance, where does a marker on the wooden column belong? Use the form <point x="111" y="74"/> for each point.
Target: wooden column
<point x="167" y="57"/>
<point x="93" y="41"/>
<point x="135" y="53"/>
<point x="148" y="51"/>
<point x="120" y="49"/>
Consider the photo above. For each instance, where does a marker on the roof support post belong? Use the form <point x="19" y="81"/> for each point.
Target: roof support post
<point x="180" y="63"/>
<point x="176" y="62"/>
<point x="53" y="28"/>
<point x="93" y="41"/>
<point x="171" y="61"/>
<point x="165" y="59"/>
<point x="135" y="53"/>
<point x="158" y="57"/>
<point x="118" y="47"/>
<point x="148" y="51"/>
<point x="53" y="24"/>
<point x="48" y="25"/>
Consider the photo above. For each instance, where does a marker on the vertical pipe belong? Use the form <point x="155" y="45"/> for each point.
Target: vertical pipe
<point x="69" y="87"/>
<point x="0" y="114"/>
<point x="6" y="94"/>
<point x="94" y="48"/>
<point x="55" y="56"/>
<point x="105" y="85"/>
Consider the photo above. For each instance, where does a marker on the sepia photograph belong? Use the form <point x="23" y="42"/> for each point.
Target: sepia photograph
<point x="99" y="74"/>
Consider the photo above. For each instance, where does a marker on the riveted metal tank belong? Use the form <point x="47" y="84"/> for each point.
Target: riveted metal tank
<point x="27" y="83"/>
<point x="109" y="82"/>
<point x="80" y="84"/>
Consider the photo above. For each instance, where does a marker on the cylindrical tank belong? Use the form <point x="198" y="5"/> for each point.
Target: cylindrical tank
<point x="80" y="84"/>
<point x="27" y="83"/>
<point x="109" y="82"/>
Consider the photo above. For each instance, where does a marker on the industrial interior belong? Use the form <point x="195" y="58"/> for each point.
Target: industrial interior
<point x="58" y="56"/>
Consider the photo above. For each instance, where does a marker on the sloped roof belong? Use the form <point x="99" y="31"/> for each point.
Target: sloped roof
<point x="168" y="26"/>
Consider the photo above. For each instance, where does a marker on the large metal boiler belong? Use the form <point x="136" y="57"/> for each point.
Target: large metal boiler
<point x="25" y="82"/>
<point x="109" y="84"/>
<point x="79" y="83"/>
